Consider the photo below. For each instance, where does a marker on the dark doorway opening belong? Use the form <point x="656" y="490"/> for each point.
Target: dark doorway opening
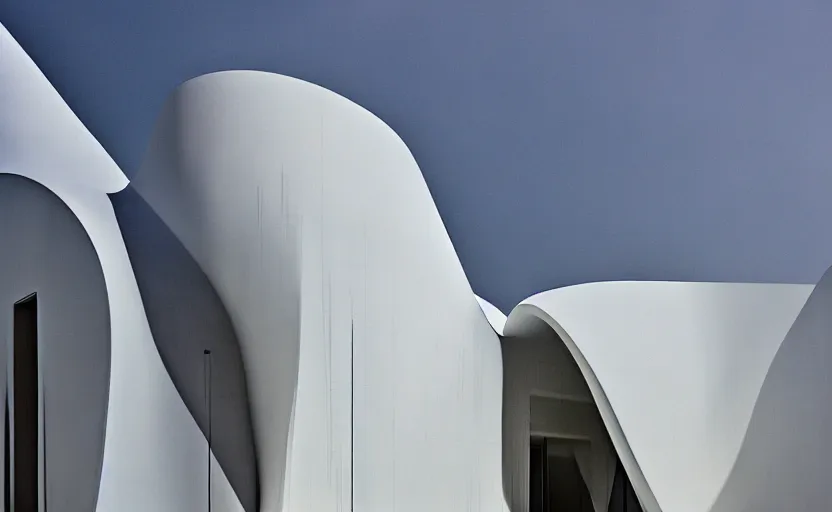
<point x="25" y="417"/>
<point x="567" y="489"/>
<point x="7" y="466"/>
<point x="556" y="483"/>
<point x="537" y="475"/>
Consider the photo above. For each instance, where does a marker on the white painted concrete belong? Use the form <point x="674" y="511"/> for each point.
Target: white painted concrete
<point x="313" y="222"/>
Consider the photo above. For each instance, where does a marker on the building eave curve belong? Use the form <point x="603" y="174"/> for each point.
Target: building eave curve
<point x="526" y="319"/>
<point x="675" y="369"/>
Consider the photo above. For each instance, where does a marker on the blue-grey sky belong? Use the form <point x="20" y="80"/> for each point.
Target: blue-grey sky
<point x="564" y="141"/>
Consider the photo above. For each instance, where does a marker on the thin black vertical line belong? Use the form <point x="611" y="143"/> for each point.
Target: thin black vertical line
<point x="7" y="491"/>
<point x="352" y="416"/>
<point x="43" y="409"/>
<point x="210" y="422"/>
<point x="544" y="480"/>
<point x="207" y="376"/>
<point x="43" y="414"/>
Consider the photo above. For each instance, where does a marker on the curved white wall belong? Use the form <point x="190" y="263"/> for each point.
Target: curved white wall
<point x="786" y="458"/>
<point x="313" y="221"/>
<point x="676" y="369"/>
<point x="314" y="224"/>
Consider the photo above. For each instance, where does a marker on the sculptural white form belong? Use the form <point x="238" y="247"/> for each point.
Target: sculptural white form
<point x="374" y="380"/>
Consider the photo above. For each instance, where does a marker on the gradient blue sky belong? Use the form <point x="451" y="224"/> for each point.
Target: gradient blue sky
<point x="564" y="141"/>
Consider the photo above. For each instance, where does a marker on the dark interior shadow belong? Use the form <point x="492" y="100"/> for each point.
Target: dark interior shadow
<point x="623" y="498"/>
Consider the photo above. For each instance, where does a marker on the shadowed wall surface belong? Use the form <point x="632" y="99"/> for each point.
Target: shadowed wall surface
<point x="785" y="461"/>
<point x="186" y="317"/>
<point x="46" y="250"/>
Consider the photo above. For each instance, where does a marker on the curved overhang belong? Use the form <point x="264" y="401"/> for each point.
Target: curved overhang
<point x="528" y="320"/>
<point x="675" y="369"/>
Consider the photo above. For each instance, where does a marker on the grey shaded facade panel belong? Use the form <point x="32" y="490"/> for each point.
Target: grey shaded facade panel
<point x="248" y="241"/>
<point x="786" y="458"/>
<point x="186" y="317"/>
<point x="45" y="249"/>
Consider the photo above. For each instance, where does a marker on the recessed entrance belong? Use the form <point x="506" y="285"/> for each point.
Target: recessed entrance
<point x="556" y="483"/>
<point x="24" y="420"/>
<point x="557" y="453"/>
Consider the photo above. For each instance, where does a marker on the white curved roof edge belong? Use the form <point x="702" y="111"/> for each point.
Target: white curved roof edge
<point x="311" y="86"/>
<point x="667" y="361"/>
<point x="521" y="322"/>
<point x="41" y="134"/>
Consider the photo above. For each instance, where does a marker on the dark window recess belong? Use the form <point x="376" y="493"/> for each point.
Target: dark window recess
<point x="567" y="490"/>
<point x="25" y="418"/>
<point x="537" y="478"/>
<point x="555" y="480"/>
<point x="623" y="495"/>
<point x="7" y="468"/>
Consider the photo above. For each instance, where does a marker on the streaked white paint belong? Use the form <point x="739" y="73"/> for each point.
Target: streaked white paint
<point x="312" y="220"/>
